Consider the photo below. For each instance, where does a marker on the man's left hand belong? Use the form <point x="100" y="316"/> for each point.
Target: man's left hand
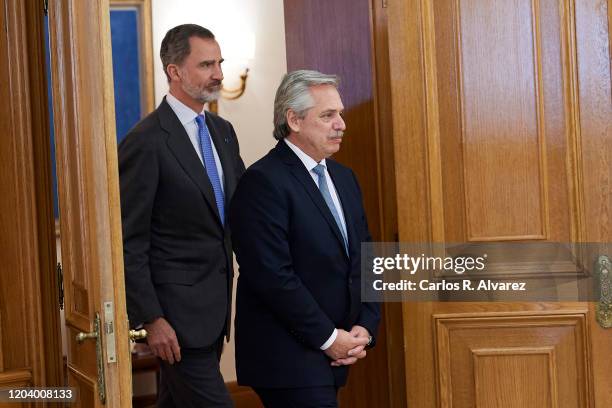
<point x="358" y="352"/>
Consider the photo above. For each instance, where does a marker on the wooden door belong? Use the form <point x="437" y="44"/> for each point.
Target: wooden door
<point x="502" y="124"/>
<point x="90" y="221"/>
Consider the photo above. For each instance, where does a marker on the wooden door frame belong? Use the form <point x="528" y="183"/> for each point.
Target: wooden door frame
<point x="49" y="280"/>
<point x="36" y="239"/>
<point x="388" y="203"/>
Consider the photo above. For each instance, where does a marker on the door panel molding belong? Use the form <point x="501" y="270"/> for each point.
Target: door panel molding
<point x="483" y="173"/>
<point x="450" y="174"/>
<point x="514" y="169"/>
<point x="29" y="333"/>
<point x="489" y="377"/>
<point x="465" y="339"/>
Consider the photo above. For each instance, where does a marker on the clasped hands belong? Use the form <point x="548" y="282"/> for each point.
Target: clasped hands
<point x="348" y="346"/>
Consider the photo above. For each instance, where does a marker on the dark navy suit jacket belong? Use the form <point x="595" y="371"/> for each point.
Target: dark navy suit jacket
<point x="296" y="281"/>
<point x="177" y="253"/>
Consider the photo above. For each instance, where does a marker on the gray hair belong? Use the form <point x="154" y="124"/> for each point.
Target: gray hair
<point x="294" y="93"/>
<point x="175" y="45"/>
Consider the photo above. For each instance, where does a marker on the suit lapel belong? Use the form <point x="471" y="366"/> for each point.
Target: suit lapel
<point x="181" y="147"/>
<point x="301" y="174"/>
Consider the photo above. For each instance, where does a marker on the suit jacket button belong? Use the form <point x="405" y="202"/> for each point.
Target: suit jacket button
<point x="350" y="280"/>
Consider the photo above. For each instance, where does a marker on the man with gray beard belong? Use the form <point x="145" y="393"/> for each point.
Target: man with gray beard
<point x="178" y="169"/>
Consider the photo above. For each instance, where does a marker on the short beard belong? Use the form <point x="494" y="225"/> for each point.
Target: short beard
<point x="202" y="96"/>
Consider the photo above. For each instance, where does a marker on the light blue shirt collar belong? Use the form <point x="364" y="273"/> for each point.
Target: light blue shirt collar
<point x="184" y="113"/>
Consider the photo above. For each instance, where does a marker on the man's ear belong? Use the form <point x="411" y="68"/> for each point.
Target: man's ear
<point x="293" y="121"/>
<point x="173" y="72"/>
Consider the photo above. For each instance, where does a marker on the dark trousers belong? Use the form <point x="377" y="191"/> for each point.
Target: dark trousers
<point x="312" y="397"/>
<point x="195" y="381"/>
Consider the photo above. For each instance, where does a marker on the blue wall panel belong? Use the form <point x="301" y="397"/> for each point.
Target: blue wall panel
<point x="126" y="69"/>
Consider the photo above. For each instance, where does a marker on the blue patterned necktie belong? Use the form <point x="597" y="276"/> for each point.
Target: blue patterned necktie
<point x="211" y="166"/>
<point x="319" y="170"/>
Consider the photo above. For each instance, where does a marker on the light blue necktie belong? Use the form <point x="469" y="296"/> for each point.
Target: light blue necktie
<point x="319" y="170"/>
<point x="211" y="166"/>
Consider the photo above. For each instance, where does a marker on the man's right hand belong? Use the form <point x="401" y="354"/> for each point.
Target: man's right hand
<point x="345" y="343"/>
<point x="162" y="340"/>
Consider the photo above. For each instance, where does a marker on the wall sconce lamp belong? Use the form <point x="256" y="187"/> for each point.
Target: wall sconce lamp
<point x="239" y="53"/>
<point x="231" y="94"/>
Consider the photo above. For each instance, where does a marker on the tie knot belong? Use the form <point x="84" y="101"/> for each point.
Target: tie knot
<point x="200" y="120"/>
<point x="319" y="170"/>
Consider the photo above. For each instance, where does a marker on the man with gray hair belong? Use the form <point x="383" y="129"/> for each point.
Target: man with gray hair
<point x="297" y="222"/>
<point x="178" y="169"/>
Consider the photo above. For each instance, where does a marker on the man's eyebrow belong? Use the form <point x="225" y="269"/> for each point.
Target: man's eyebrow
<point x="331" y="110"/>
<point x="211" y="61"/>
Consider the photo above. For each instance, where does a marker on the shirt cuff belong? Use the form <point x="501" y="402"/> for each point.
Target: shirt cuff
<point x="330" y="341"/>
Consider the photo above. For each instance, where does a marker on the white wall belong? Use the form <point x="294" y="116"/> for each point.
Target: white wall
<point x="235" y="24"/>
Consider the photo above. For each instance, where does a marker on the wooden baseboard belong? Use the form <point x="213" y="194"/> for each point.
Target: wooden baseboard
<point x="243" y="397"/>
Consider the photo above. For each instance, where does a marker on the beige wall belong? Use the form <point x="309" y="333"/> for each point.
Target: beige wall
<point x="240" y="26"/>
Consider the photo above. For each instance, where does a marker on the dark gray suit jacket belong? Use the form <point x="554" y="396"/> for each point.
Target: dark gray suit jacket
<point x="177" y="253"/>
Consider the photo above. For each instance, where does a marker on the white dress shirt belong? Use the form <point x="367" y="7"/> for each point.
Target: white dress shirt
<point x="310" y="164"/>
<point x="187" y="117"/>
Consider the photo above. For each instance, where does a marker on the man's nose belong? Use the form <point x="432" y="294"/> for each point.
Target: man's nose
<point x="218" y="72"/>
<point x="340" y="124"/>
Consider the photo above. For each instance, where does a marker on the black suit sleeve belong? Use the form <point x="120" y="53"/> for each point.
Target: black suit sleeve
<point x="259" y="220"/>
<point x="369" y="316"/>
<point x="138" y="176"/>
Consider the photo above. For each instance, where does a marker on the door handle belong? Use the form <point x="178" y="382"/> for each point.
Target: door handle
<point x="96" y="334"/>
<point x="81" y="337"/>
<point x="137" y="334"/>
<point x="603" y="310"/>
